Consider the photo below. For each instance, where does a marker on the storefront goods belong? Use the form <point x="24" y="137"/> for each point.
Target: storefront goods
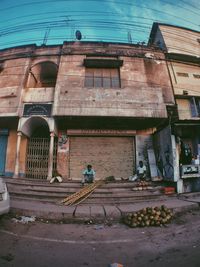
<point x="142" y="185"/>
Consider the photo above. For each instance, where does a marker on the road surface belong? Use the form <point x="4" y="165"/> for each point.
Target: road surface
<point x="45" y="244"/>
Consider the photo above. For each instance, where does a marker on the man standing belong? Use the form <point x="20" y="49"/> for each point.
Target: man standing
<point x="88" y="175"/>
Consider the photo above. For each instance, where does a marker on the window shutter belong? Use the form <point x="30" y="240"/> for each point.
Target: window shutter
<point x="89" y="78"/>
<point x="102" y="78"/>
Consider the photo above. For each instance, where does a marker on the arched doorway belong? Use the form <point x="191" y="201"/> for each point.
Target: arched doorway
<point x="37" y="152"/>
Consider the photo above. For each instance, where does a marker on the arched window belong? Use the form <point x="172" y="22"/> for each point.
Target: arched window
<point x="43" y="74"/>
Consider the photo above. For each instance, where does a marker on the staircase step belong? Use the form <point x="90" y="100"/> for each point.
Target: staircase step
<point x="95" y="200"/>
<point x="51" y="188"/>
<point x="112" y="192"/>
<point x="60" y="194"/>
<point x="69" y="183"/>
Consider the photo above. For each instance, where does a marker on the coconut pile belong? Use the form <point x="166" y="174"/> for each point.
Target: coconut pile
<point x="150" y="216"/>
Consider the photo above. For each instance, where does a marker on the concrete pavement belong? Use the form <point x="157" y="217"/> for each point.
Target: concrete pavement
<point x="100" y="212"/>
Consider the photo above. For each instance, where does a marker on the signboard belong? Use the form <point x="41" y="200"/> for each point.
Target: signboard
<point x="63" y="143"/>
<point x="37" y="109"/>
<point x="101" y="132"/>
<point x="190" y="171"/>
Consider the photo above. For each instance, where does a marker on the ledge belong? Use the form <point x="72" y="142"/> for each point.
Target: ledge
<point x="102" y="63"/>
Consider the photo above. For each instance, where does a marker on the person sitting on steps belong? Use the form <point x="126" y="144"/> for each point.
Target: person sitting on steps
<point x="140" y="174"/>
<point x="88" y="175"/>
<point x="141" y="171"/>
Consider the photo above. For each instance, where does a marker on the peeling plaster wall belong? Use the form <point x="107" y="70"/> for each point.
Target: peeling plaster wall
<point x="11" y="83"/>
<point x="188" y="83"/>
<point x="145" y="88"/>
<point x="11" y="152"/>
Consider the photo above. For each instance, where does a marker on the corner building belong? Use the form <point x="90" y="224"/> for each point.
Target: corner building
<point x="182" y="50"/>
<point x="66" y="106"/>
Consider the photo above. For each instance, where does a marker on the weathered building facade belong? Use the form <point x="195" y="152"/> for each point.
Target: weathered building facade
<point x="182" y="50"/>
<point x="66" y="106"/>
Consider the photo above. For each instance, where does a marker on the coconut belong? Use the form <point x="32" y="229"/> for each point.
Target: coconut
<point x="148" y="216"/>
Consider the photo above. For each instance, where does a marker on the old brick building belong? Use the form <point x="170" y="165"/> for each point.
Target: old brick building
<point x="182" y="50"/>
<point x="65" y="106"/>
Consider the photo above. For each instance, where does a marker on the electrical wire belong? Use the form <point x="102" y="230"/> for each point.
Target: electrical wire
<point x="97" y="25"/>
<point x="180" y="48"/>
<point x="107" y="1"/>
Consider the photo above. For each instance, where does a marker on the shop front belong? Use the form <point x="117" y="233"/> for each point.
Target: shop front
<point x="189" y="155"/>
<point x="110" y="152"/>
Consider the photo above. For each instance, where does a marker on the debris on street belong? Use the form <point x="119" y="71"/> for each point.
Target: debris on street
<point x="89" y="222"/>
<point x="150" y="216"/>
<point x="116" y="265"/>
<point x="24" y="219"/>
<point x="110" y="178"/>
<point x="98" y="227"/>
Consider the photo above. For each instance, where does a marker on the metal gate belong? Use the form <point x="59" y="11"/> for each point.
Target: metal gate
<point x="37" y="157"/>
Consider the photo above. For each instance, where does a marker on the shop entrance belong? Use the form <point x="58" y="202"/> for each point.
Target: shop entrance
<point x="109" y="156"/>
<point x="37" y="155"/>
<point x="3" y="147"/>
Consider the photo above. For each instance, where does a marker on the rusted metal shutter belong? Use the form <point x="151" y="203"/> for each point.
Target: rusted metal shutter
<point x="37" y="157"/>
<point x="108" y="156"/>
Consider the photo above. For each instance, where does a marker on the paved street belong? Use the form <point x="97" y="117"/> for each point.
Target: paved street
<point x="45" y="244"/>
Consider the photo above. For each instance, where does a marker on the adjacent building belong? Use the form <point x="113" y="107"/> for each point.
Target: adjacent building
<point x="182" y="49"/>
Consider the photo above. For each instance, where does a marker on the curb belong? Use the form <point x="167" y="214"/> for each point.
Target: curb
<point x="95" y="213"/>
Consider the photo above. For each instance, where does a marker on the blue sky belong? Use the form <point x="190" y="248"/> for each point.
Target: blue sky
<point x="27" y="21"/>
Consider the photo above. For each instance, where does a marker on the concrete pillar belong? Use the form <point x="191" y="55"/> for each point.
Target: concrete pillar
<point x="180" y="187"/>
<point x="176" y="159"/>
<point x="50" y="163"/>
<point x="16" y="172"/>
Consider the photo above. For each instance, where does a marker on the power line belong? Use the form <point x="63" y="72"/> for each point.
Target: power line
<point x="107" y="1"/>
<point x="109" y="24"/>
<point x="99" y="37"/>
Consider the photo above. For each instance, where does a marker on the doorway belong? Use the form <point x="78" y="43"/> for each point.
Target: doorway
<point x="37" y="155"/>
<point x="3" y="148"/>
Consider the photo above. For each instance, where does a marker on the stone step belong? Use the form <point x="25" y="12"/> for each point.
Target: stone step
<point x="110" y="200"/>
<point x="112" y="192"/>
<point x="95" y="194"/>
<point x="66" y="190"/>
<point x="52" y="189"/>
<point x="67" y="184"/>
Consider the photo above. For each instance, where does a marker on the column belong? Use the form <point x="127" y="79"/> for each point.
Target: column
<point x="50" y="163"/>
<point x="16" y="172"/>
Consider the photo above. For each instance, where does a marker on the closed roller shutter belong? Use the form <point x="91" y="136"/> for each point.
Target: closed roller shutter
<point x="108" y="156"/>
